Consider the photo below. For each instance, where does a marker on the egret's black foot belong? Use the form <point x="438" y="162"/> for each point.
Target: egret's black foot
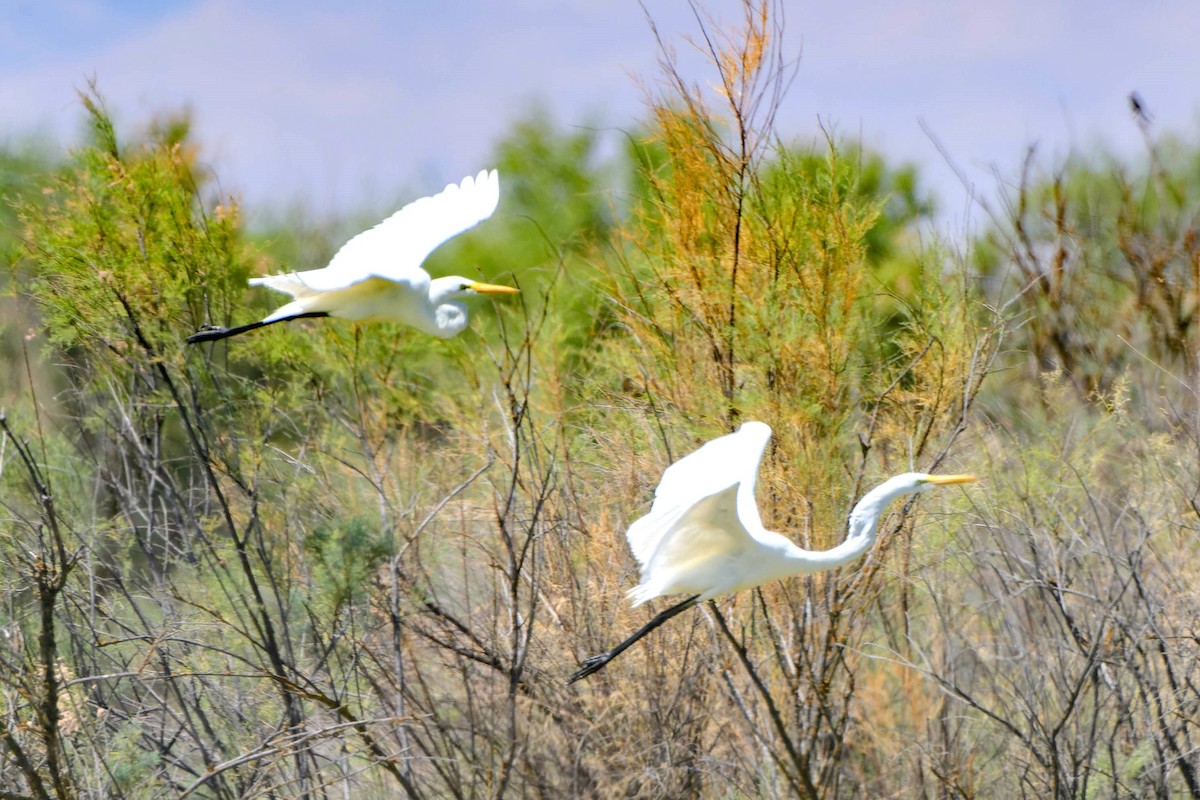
<point x="590" y="665"/>
<point x="206" y="333"/>
<point x="209" y="333"/>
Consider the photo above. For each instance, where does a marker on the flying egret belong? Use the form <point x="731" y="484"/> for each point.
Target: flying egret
<point x="377" y="275"/>
<point x="703" y="536"/>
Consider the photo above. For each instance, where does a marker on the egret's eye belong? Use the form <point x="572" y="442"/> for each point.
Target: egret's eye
<point x="464" y="287"/>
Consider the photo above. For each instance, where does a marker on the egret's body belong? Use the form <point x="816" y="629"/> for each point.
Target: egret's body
<point x="377" y="275"/>
<point x="704" y="537"/>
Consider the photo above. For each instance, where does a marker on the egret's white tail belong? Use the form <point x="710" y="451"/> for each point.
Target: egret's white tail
<point x="642" y="593"/>
<point x="289" y="283"/>
<point x="301" y="305"/>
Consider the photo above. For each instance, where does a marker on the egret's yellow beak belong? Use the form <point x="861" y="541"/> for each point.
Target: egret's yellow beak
<point x="492" y="288"/>
<point x="942" y="480"/>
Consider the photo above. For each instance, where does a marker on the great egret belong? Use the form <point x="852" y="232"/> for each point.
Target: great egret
<point x="704" y="537"/>
<point x="377" y="275"/>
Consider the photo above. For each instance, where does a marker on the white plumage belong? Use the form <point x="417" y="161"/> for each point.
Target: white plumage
<point x="703" y="506"/>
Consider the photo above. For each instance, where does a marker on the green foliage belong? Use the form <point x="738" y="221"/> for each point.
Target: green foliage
<point x="132" y="764"/>
<point x="24" y="165"/>
<point x="869" y="182"/>
<point x="559" y="217"/>
<point x="124" y="232"/>
<point x="344" y="557"/>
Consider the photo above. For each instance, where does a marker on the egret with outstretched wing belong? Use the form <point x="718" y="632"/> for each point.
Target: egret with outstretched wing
<point x="704" y="537"/>
<point x="377" y="276"/>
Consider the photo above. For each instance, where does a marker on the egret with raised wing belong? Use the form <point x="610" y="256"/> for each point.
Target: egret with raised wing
<point x="377" y="276"/>
<point x="703" y="536"/>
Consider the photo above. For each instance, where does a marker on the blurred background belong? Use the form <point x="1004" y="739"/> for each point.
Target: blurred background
<point x="339" y="107"/>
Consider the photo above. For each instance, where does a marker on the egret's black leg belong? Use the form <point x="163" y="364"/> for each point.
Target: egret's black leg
<point x="210" y="333"/>
<point x="595" y="663"/>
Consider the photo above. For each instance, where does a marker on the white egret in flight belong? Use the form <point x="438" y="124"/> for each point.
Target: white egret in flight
<point x="377" y="275"/>
<point x="703" y="536"/>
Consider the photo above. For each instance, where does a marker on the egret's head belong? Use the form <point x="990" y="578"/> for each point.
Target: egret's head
<point x="446" y="296"/>
<point x="910" y="483"/>
<point x="871" y="506"/>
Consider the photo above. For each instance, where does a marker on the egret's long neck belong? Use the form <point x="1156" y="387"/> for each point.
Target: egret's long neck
<point x="443" y="314"/>
<point x="857" y="542"/>
<point x="449" y="319"/>
<point x="860" y="534"/>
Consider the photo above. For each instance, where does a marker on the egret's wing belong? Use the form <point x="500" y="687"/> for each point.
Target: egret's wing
<point x="703" y="483"/>
<point x="395" y="248"/>
<point x="711" y="528"/>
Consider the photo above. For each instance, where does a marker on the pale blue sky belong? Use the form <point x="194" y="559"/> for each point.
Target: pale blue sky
<point x="344" y="106"/>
